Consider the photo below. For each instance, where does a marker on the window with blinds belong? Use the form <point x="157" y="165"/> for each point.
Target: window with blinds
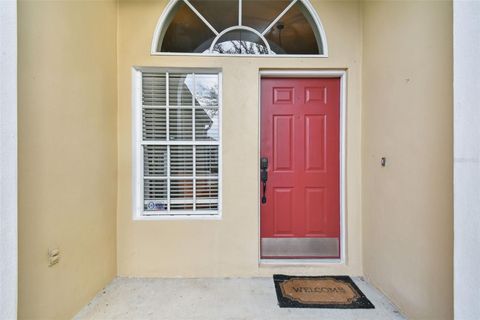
<point x="177" y="143"/>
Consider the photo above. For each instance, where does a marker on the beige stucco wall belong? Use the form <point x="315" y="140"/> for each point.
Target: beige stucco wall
<point x="229" y="247"/>
<point x="70" y="53"/>
<point x="67" y="153"/>
<point x="407" y="104"/>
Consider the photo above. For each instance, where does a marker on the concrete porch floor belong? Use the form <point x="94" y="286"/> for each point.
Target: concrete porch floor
<point x="212" y="299"/>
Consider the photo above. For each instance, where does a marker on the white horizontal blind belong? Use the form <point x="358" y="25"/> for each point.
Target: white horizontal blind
<point x="180" y="143"/>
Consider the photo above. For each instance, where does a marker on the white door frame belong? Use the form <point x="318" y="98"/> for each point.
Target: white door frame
<point x="8" y="159"/>
<point x="466" y="66"/>
<point x="342" y="74"/>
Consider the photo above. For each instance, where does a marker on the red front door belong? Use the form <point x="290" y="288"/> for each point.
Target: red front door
<point x="300" y="137"/>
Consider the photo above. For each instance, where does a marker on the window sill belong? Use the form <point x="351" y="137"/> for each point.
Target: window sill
<point x="192" y="217"/>
<point x="268" y="263"/>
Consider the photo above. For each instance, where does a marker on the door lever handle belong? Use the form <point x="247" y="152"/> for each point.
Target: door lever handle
<point x="264" y="177"/>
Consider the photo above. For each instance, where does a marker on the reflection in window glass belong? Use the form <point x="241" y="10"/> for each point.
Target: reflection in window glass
<point x="240" y="42"/>
<point x="186" y="32"/>
<point x="180" y="121"/>
<point x="259" y="14"/>
<point x="293" y="34"/>
<point x="180" y="89"/>
<point x="206" y="90"/>
<point x="193" y="28"/>
<point x="206" y="118"/>
<point x="206" y="124"/>
<point x="180" y="143"/>
<point x="221" y="14"/>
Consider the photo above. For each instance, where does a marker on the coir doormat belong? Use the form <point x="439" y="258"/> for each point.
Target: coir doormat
<point x="337" y="292"/>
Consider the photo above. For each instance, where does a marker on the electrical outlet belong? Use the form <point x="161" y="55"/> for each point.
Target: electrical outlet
<point x="53" y="257"/>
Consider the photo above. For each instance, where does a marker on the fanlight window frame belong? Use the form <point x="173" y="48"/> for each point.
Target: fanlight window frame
<point x="164" y="20"/>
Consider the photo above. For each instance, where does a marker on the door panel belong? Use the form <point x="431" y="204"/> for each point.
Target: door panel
<point x="315" y="136"/>
<point x="283" y="143"/>
<point x="300" y="136"/>
<point x="283" y="212"/>
<point x="315" y="211"/>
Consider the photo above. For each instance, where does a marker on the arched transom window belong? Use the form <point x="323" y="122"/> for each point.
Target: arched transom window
<point x="259" y="27"/>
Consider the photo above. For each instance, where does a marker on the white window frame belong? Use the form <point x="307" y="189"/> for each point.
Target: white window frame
<point x="137" y="142"/>
<point x="8" y="161"/>
<point x="163" y="21"/>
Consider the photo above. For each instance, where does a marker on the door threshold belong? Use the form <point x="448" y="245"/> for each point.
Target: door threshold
<point x="298" y="262"/>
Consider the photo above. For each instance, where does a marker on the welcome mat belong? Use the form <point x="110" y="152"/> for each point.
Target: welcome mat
<point x="337" y="292"/>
